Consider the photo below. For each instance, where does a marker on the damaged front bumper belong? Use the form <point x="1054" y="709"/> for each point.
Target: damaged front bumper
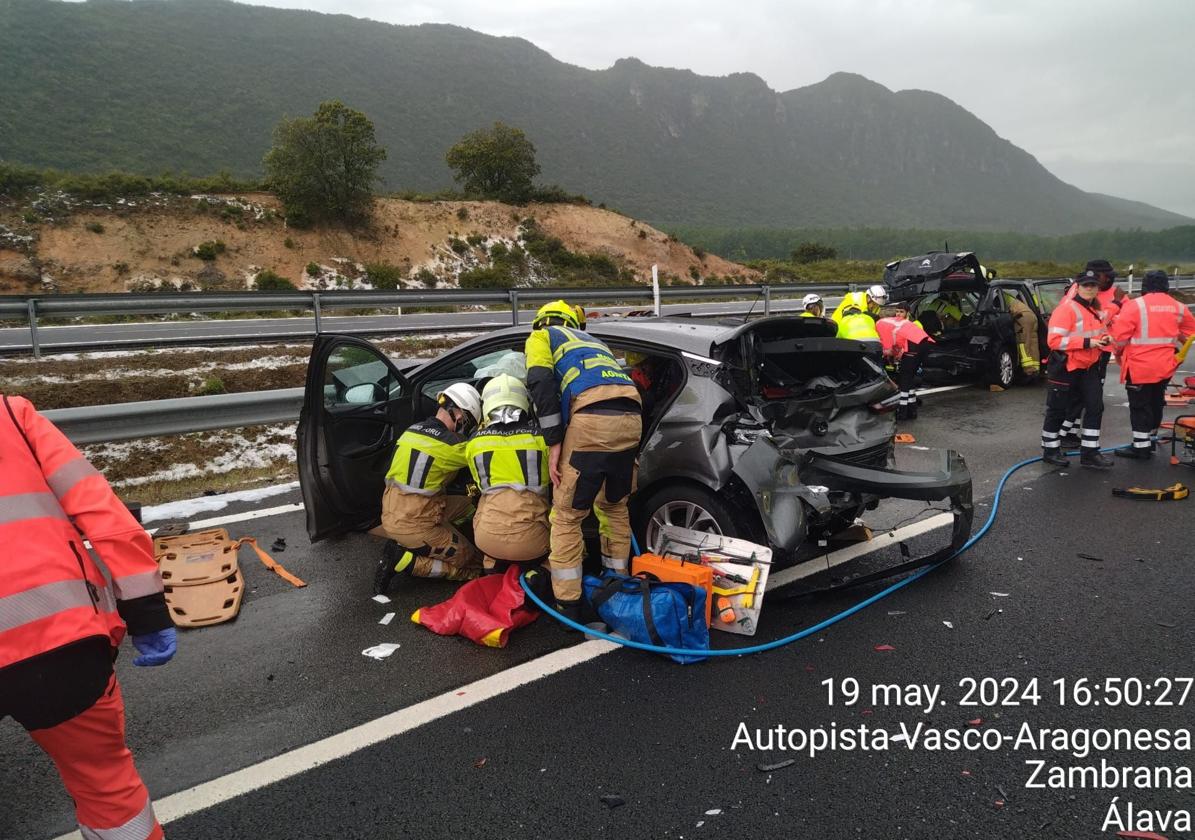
<point x="787" y="492"/>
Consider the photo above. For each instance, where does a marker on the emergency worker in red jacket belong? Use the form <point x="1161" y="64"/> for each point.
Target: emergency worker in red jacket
<point x="1077" y="338"/>
<point x="1145" y="334"/>
<point x="61" y="622"/>
<point x="1111" y="298"/>
<point x="906" y="344"/>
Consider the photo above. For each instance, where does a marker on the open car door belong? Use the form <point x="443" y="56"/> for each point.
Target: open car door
<point x="355" y="404"/>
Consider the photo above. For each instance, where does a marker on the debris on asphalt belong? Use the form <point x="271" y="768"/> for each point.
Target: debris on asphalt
<point x="768" y="768"/>
<point x="999" y="594"/>
<point x="999" y="803"/>
<point x="387" y="618"/>
<point x="995" y="389"/>
<point x="988" y="617"/>
<point x="896" y="612"/>
<point x="1090" y="557"/>
<point x="381" y="599"/>
<point x="884" y="648"/>
<point x="480" y="762"/>
<point x="613" y="801"/>
<point x="172" y="529"/>
<point x="713" y="812"/>
<point x="975" y="722"/>
<point x="1166" y="625"/>
<point x="279" y="544"/>
<point x="1002" y="792"/>
<point x="966" y="773"/>
<point x="903" y="437"/>
<point x="381" y="651"/>
<point x="949" y="625"/>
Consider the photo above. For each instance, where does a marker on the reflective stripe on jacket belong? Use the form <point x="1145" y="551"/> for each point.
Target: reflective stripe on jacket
<point x="1073" y="330"/>
<point x="52" y="592"/>
<point x="427" y="456"/>
<point x="1147" y="329"/>
<point x="561" y="364"/>
<point x="510" y="456"/>
<point x="897" y="333"/>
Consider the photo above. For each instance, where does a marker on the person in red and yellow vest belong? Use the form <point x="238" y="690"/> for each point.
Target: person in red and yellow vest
<point x="61" y="623"/>
<point x="1145" y="333"/>
<point x="906" y="344"/>
<point x="1111" y="297"/>
<point x="1076" y="338"/>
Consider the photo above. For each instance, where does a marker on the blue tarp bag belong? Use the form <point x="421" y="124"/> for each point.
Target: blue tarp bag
<point x="652" y="612"/>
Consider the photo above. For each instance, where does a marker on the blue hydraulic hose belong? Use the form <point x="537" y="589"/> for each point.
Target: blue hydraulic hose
<point x="808" y="631"/>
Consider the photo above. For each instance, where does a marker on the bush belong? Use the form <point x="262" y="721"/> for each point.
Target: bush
<point x="699" y="252"/>
<point x="268" y="281"/>
<point x="458" y="245"/>
<point x="96" y="227"/>
<point x="313" y="269"/>
<point x="211" y="385"/>
<point x="642" y="233"/>
<point x="208" y="251"/>
<point x="30" y="218"/>
<point x="475" y="239"/>
<point x="121" y="267"/>
<point x="427" y="278"/>
<point x="383" y="275"/>
<point x="811" y="252"/>
<point x="694" y="272"/>
<point x="486" y="278"/>
<point x="288" y="243"/>
<point x="463" y="214"/>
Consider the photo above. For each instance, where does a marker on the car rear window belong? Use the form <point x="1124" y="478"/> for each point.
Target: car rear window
<point x="793" y="369"/>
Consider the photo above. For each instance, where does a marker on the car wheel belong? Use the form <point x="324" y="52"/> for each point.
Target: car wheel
<point x="687" y="507"/>
<point x="1004" y="368"/>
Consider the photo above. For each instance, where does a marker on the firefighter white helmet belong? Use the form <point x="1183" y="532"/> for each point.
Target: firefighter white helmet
<point x="811" y="300"/>
<point x="465" y="397"/>
<point x="878" y="294"/>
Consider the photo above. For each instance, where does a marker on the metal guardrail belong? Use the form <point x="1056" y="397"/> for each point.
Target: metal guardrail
<point x="150" y="418"/>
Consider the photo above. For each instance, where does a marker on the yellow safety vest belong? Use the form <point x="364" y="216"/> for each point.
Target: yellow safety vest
<point x="511" y="456"/>
<point x="427" y="457"/>
<point x="858" y="327"/>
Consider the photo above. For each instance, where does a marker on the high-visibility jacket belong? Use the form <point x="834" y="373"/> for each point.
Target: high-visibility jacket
<point x="1073" y="329"/>
<point x="1145" y="333"/>
<point x="52" y="592"/>
<point x="858" y="326"/>
<point x="1111" y="300"/>
<point x="897" y="333"/>
<point x="945" y="310"/>
<point x="852" y="300"/>
<point x="808" y="314"/>
<point x="562" y="364"/>
<point x="509" y="456"/>
<point x="427" y="457"/>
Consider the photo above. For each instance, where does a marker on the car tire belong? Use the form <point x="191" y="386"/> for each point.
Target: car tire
<point x="689" y="506"/>
<point x="1004" y="368"/>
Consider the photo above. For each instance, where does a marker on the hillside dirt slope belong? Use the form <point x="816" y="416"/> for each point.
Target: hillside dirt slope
<point x="73" y="246"/>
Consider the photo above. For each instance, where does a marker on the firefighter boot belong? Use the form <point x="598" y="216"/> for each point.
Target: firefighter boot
<point x="1135" y="453"/>
<point x="1054" y="457"/>
<point x="1093" y="459"/>
<point x="394" y="560"/>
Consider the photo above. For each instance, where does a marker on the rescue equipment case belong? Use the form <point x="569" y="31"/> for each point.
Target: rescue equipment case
<point x="675" y="570"/>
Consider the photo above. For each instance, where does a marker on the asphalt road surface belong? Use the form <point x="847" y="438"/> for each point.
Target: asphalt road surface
<point x="14" y="339"/>
<point x="276" y="726"/>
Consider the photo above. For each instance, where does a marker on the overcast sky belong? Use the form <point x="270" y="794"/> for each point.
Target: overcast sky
<point x="1100" y="91"/>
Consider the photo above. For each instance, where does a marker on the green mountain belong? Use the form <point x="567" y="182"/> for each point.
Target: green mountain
<point x="197" y="86"/>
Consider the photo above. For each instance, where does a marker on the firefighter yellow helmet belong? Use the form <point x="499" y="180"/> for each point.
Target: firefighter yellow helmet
<point x="557" y="309"/>
<point x="504" y="390"/>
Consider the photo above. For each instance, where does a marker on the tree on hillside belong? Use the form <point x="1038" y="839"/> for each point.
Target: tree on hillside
<point x="811" y="252"/>
<point x="325" y="166"/>
<point x="496" y="163"/>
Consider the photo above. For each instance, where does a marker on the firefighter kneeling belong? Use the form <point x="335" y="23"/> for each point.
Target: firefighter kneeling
<point x="509" y="462"/>
<point x="417" y="514"/>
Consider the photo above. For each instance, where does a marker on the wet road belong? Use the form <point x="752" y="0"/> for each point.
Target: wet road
<point x="276" y="690"/>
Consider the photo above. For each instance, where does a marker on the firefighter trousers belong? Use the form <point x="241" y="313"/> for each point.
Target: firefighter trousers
<point x="72" y="707"/>
<point x="423" y="525"/>
<point x="1146" y="404"/>
<point x="1063" y="389"/>
<point x="598" y="466"/>
<point x="511" y="526"/>
<point x="1075" y="411"/>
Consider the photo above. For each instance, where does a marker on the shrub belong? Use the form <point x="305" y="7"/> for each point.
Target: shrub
<point x="811" y="252"/>
<point x="313" y="269"/>
<point x="30" y="218"/>
<point x="427" y="278"/>
<point x="288" y="243"/>
<point x="211" y="385"/>
<point x="458" y="245"/>
<point x="462" y="213"/>
<point x="121" y="267"/>
<point x="475" y="239"/>
<point x="208" y="251"/>
<point x="268" y="281"/>
<point x="694" y="272"/>
<point x="96" y="227"/>
<point x="486" y="278"/>
<point x="383" y="275"/>
<point x="642" y="233"/>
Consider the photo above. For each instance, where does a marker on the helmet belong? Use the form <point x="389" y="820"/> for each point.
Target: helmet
<point x="504" y="391"/>
<point x="878" y="294"/>
<point x="464" y="396"/>
<point x="580" y="313"/>
<point x="556" y="309"/>
<point x="811" y="299"/>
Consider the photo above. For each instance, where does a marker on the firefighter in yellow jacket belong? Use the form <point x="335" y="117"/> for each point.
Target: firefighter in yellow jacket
<point x="508" y="459"/>
<point x="590" y="414"/>
<point x="417" y="514"/>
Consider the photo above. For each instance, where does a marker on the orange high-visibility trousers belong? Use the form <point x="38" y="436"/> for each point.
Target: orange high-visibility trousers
<point x="111" y="801"/>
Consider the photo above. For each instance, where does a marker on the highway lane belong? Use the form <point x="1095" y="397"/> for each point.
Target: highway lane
<point x="15" y="339"/>
<point x="538" y="756"/>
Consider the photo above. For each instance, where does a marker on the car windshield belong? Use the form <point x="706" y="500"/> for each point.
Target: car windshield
<point x="478" y="369"/>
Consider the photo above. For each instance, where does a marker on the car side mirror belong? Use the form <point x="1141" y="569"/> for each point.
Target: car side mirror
<point x="366" y="393"/>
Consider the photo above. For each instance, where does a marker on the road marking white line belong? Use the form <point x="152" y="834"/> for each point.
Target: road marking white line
<point x="837" y="558"/>
<point x="923" y="391"/>
<point x="200" y="524"/>
<point x="205" y="795"/>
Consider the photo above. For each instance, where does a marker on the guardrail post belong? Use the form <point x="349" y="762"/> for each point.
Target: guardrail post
<point x="315" y="308"/>
<point x="32" y="309"/>
<point x="514" y="306"/>
<point x="767" y="300"/>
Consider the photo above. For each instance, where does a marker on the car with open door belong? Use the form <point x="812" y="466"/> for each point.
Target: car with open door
<point x="968" y="311"/>
<point x="773" y="430"/>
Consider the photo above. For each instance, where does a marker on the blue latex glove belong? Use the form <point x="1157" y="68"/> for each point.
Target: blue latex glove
<point x="156" y="648"/>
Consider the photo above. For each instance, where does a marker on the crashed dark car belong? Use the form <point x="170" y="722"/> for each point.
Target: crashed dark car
<point x="982" y="344"/>
<point x="772" y="430"/>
